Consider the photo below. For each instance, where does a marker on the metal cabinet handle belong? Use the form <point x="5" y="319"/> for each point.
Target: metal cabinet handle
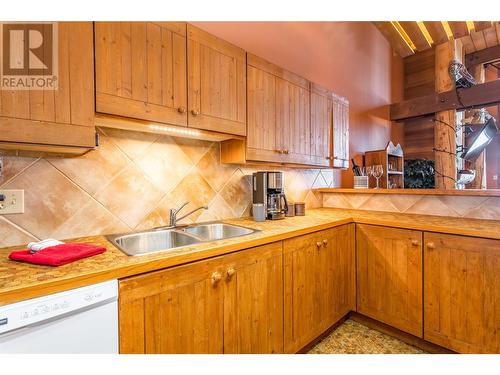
<point x="216" y="277"/>
<point x="229" y="273"/>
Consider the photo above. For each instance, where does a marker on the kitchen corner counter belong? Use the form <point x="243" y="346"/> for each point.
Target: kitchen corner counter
<point x="20" y="281"/>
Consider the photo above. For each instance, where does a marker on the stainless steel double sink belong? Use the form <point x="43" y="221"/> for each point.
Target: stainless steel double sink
<point x="169" y="239"/>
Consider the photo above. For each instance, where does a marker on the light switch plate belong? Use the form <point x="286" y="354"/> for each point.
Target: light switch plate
<point x="13" y="202"/>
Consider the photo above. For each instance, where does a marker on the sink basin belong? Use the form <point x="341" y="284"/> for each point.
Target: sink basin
<point x="217" y="231"/>
<point x="169" y="239"/>
<point x="151" y="242"/>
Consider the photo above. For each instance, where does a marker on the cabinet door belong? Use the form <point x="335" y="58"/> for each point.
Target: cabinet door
<point x="60" y="117"/>
<point x="178" y="310"/>
<point x="253" y="301"/>
<point x="262" y="138"/>
<point x="141" y="70"/>
<point x="340" y="132"/>
<point x="462" y="293"/>
<point x="389" y="276"/>
<point x="216" y="83"/>
<point x="321" y="126"/>
<point x="293" y="121"/>
<point x="319" y="284"/>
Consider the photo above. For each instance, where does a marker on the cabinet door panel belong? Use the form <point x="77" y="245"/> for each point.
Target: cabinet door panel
<point x="321" y="127"/>
<point x="141" y="70"/>
<point x="262" y="143"/>
<point x="253" y="301"/>
<point x="216" y="83"/>
<point x="389" y="276"/>
<point x="319" y="283"/>
<point x="461" y="293"/>
<point x="293" y="121"/>
<point x="62" y="117"/>
<point x="340" y="132"/>
<point x="177" y="310"/>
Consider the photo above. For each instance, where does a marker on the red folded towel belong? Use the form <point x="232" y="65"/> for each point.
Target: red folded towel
<point x="59" y="254"/>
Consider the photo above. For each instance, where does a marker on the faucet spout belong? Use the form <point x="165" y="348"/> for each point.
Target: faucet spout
<point x="174" y="212"/>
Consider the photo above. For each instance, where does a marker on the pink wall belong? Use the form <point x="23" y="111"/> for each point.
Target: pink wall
<point x="351" y="58"/>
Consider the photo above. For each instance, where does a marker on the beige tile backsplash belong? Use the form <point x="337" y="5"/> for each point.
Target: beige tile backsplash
<point x="130" y="182"/>
<point x="474" y="207"/>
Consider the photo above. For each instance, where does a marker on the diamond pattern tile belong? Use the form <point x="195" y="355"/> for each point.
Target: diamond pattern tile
<point x="133" y="144"/>
<point x="10" y="234"/>
<point x="237" y="193"/>
<point x="50" y="199"/>
<point x="216" y="174"/>
<point x="95" y="169"/>
<point x="12" y="166"/>
<point x="130" y="196"/>
<point x="164" y="163"/>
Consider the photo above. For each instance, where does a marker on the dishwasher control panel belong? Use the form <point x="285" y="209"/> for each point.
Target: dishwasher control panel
<point x="25" y="313"/>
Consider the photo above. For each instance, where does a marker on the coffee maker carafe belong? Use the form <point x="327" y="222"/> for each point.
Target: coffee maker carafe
<point x="269" y="189"/>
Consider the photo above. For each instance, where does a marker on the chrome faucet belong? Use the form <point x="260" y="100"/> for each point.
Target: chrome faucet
<point x="174" y="212"/>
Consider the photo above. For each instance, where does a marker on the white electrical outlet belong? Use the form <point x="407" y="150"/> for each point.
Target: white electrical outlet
<point x="11" y="202"/>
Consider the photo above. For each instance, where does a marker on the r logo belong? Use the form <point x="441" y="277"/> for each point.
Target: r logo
<point x="27" y="49"/>
<point x="29" y="55"/>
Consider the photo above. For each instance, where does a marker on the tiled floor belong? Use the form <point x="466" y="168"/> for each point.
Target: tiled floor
<point x="354" y="338"/>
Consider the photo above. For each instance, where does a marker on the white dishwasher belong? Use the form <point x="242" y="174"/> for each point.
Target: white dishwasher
<point x="83" y="320"/>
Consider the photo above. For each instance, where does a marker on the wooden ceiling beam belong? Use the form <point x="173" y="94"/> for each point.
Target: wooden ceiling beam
<point x="481" y="25"/>
<point x="458" y="28"/>
<point x="395" y="39"/>
<point x="436" y="30"/>
<point x="482" y="57"/>
<point x="417" y="37"/>
<point x="490" y="36"/>
<point x="482" y="95"/>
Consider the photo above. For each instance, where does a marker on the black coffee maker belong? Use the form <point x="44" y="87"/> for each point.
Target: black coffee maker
<point x="269" y="189"/>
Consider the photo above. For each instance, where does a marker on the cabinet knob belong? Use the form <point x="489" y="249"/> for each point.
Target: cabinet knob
<point x="285" y="152"/>
<point x="195" y="112"/>
<point x="415" y="243"/>
<point x="216" y="277"/>
<point x="278" y="151"/>
<point x="181" y="109"/>
<point x="318" y="244"/>
<point x="325" y="242"/>
<point x="229" y="273"/>
<point x="431" y="245"/>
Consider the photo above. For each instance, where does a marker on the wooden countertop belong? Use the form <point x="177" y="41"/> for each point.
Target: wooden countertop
<point x="460" y="192"/>
<point x="20" y="281"/>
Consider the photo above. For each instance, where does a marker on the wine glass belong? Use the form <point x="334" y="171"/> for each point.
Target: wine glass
<point x="378" y="171"/>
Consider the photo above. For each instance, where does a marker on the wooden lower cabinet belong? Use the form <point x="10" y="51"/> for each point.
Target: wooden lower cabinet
<point x="319" y="282"/>
<point x="462" y="293"/>
<point x="228" y="304"/>
<point x="389" y="276"/>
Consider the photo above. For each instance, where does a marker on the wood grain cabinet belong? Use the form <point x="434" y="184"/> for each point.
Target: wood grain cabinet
<point x="141" y="70"/>
<point x="389" y="276"/>
<point x="216" y="83"/>
<point x="462" y="293"/>
<point x="228" y="304"/>
<point x="321" y="126"/>
<point x="340" y="148"/>
<point x="59" y="120"/>
<point x="319" y="279"/>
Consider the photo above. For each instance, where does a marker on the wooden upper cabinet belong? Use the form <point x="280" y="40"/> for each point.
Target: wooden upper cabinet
<point x="227" y="304"/>
<point x="340" y="132"/>
<point x="389" y="276"/>
<point x="216" y="83"/>
<point x="462" y="293"/>
<point x="320" y="285"/>
<point x="141" y="70"/>
<point x="321" y="125"/>
<point x="278" y="114"/>
<point x="59" y="120"/>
